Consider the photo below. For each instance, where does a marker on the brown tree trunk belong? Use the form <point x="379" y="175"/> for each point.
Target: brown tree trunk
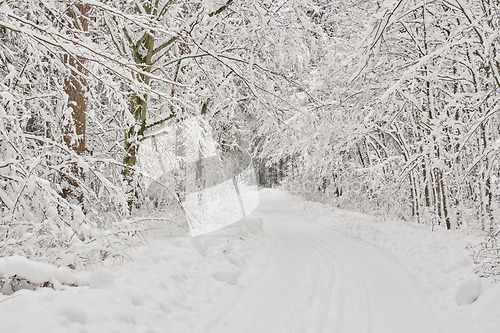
<point x="74" y="122"/>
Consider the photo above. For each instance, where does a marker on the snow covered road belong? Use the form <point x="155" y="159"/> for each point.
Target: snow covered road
<point x="318" y="280"/>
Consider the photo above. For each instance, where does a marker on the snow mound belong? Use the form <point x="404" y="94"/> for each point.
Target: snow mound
<point x="230" y="278"/>
<point x="100" y="279"/>
<point x="74" y="314"/>
<point x="468" y="291"/>
<point x="38" y="273"/>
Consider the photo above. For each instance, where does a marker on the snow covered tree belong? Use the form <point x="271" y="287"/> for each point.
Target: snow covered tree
<point x="85" y="83"/>
<point x="446" y="82"/>
<point x="416" y="119"/>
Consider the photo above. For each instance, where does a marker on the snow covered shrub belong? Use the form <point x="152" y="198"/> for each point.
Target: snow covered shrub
<point x="37" y="222"/>
<point x="486" y="256"/>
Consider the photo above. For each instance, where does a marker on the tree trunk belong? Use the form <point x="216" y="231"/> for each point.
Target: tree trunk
<point x="74" y="123"/>
<point x="138" y="108"/>
<point x="181" y="155"/>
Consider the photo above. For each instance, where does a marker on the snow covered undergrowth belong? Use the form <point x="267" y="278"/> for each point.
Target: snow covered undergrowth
<point x="175" y="284"/>
<point x="439" y="261"/>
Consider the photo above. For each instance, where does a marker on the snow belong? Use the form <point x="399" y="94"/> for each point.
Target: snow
<point x="101" y="279"/>
<point x="221" y="205"/>
<point x="37" y="272"/>
<point x="468" y="291"/>
<point x="175" y="282"/>
<point x="292" y="266"/>
<point x="319" y="280"/>
<point x="439" y="262"/>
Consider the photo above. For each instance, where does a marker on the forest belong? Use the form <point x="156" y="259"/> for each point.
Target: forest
<point x="111" y="109"/>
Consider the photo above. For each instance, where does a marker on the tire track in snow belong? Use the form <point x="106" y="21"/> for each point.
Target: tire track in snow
<point x="318" y="300"/>
<point x="318" y="280"/>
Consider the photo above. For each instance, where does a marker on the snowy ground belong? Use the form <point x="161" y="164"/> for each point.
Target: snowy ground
<point x="312" y="269"/>
<point x="319" y="280"/>
<point x="176" y="284"/>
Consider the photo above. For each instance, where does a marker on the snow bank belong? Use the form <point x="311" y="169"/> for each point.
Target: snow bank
<point x="36" y="273"/>
<point x="439" y="260"/>
<point x="175" y="284"/>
